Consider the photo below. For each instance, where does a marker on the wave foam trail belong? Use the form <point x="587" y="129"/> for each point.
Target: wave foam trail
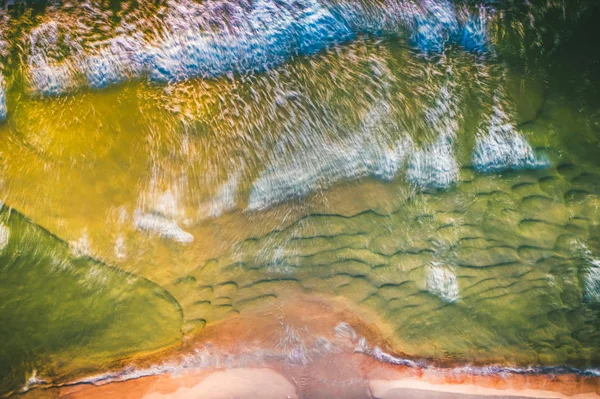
<point x="378" y="149"/>
<point x="503" y="148"/>
<point x="4" y="236"/>
<point x="591" y="281"/>
<point x="46" y="75"/>
<point x="435" y="26"/>
<point x="161" y="226"/>
<point x="3" y="110"/>
<point x="224" y="200"/>
<point x="265" y="36"/>
<point x="158" y="212"/>
<point x="122" y="58"/>
<point x="217" y="38"/>
<point x="435" y="167"/>
<point x="357" y="156"/>
<point x="474" y="36"/>
<point x="441" y="281"/>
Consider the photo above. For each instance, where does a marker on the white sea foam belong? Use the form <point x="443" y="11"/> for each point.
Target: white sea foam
<point x="224" y="200"/>
<point x="474" y="35"/>
<point x="591" y="280"/>
<point x="3" y="110"/>
<point x="159" y="210"/>
<point x="441" y="281"/>
<point x="46" y="75"/>
<point x="345" y="331"/>
<point x="321" y="169"/>
<point x="32" y="381"/>
<point x="81" y="246"/>
<point x="120" y="249"/>
<point x="165" y="203"/>
<point x="366" y="153"/>
<point x="4" y="236"/>
<point x="210" y="39"/>
<point x="434" y="26"/>
<point x="434" y="167"/>
<point x="356" y="156"/>
<point x="500" y="147"/>
<point x="295" y="347"/>
<point x="162" y="226"/>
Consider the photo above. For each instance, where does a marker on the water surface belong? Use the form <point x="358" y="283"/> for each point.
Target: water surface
<point x="432" y="163"/>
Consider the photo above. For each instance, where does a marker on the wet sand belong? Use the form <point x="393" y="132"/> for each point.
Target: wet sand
<point x="413" y="389"/>
<point x="266" y="383"/>
<point x="308" y="347"/>
<point x="235" y="383"/>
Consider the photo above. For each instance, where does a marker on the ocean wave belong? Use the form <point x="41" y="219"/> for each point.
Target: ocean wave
<point x="500" y="147"/>
<point x="217" y="38"/>
<point x="162" y="226"/>
<point x="359" y="155"/>
<point x="3" y="110"/>
<point x="433" y="167"/>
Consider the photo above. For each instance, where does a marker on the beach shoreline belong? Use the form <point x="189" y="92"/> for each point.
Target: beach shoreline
<point x="279" y="382"/>
<point x="312" y="347"/>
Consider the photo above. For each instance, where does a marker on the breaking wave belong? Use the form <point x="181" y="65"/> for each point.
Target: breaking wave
<point x="216" y="38"/>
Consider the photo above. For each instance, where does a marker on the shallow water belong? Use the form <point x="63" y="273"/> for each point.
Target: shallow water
<point x="433" y="164"/>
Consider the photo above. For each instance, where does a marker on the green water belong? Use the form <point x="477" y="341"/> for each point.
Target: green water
<point x="62" y="313"/>
<point x="157" y="209"/>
